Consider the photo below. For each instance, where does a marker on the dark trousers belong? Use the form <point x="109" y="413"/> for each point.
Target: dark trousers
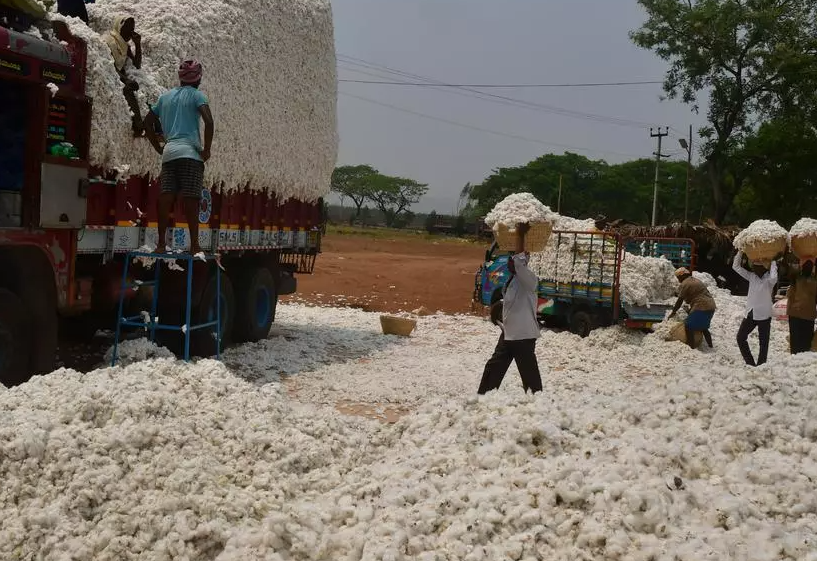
<point x="524" y="353"/>
<point x="763" y="329"/>
<point x="801" y="332"/>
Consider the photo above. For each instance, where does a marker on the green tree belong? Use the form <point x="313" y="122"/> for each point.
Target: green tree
<point x="356" y="183"/>
<point x="394" y="196"/>
<point x="431" y="222"/>
<point x="781" y="172"/>
<point x="749" y="55"/>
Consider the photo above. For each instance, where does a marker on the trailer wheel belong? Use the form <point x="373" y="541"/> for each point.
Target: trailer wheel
<point x="257" y="301"/>
<point x="15" y="339"/>
<point x="202" y="341"/>
<point x="581" y="324"/>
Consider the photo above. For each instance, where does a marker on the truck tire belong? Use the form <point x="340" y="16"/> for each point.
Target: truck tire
<point x="256" y="304"/>
<point x="581" y="323"/>
<point x="15" y="339"/>
<point x="202" y="342"/>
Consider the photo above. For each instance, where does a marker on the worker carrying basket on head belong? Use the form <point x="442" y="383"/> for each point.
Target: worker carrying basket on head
<point x="702" y="306"/>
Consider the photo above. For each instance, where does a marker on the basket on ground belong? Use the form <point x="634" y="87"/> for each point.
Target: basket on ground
<point x="814" y="344"/>
<point x="679" y="333"/>
<point x="804" y="246"/>
<point x="765" y="252"/>
<point x="392" y="325"/>
<point x="535" y="240"/>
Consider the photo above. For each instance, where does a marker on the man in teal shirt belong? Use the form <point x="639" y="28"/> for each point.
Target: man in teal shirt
<point x="183" y="155"/>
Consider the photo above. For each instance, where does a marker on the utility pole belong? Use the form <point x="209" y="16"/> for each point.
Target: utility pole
<point x="688" y="147"/>
<point x="559" y="204"/>
<point x="658" y="155"/>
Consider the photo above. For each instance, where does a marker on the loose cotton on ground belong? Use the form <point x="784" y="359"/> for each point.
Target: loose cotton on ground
<point x="637" y="449"/>
<point x="269" y="74"/>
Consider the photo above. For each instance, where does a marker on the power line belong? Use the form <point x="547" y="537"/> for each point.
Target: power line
<point x="504" y="100"/>
<point x="513" y="86"/>
<point x="484" y="130"/>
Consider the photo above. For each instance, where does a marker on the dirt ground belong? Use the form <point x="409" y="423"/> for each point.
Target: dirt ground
<point x="391" y="275"/>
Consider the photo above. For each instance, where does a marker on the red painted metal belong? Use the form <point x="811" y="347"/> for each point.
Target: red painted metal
<point x="99" y="203"/>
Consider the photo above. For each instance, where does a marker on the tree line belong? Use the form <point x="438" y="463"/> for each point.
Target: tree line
<point x="392" y="196"/>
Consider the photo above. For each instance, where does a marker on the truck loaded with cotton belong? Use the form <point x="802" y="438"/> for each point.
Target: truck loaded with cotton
<point x="78" y="191"/>
<point x="588" y="278"/>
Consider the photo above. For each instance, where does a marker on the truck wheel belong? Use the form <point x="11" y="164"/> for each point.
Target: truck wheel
<point x="202" y="341"/>
<point x="581" y="324"/>
<point x="257" y="300"/>
<point x="15" y="339"/>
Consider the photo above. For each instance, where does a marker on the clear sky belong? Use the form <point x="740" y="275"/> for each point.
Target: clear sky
<point x="495" y="42"/>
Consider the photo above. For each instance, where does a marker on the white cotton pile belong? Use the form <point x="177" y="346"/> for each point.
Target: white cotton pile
<point x="803" y="228"/>
<point x="568" y="224"/>
<point x="759" y="231"/>
<point x="137" y="350"/>
<point x="637" y="449"/>
<point x="518" y="208"/>
<point x="576" y="258"/>
<point x="646" y="280"/>
<point x="269" y="75"/>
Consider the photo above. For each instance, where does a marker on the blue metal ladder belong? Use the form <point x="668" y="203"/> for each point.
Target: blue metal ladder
<point x="152" y="325"/>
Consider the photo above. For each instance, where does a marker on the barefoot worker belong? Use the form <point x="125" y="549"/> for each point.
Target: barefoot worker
<point x="697" y="296"/>
<point x="183" y="156"/>
<point x="519" y="325"/>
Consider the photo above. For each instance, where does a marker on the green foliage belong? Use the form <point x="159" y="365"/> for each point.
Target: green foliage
<point x="356" y="183"/>
<point x="394" y="196"/>
<point x="755" y="58"/>
<point x="780" y="169"/>
<point x="593" y="187"/>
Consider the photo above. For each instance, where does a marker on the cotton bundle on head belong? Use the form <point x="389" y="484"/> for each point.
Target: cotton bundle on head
<point x="190" y="72"/>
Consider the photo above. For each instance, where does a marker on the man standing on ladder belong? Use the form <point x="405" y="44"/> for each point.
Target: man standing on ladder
<point x="183" y="156"/>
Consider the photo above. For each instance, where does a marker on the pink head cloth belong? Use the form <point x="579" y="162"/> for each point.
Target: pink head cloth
<point x="190" y="72"/>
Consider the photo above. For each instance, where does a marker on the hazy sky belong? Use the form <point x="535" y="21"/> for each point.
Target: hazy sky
<point x="489" y="42"/>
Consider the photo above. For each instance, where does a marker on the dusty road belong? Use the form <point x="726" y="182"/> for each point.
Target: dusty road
<point x="390" y="275"/>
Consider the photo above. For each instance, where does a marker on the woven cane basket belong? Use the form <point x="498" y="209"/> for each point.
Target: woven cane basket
<point x="804" y="246"/>
<point x="765" y="252"/>
<point x="679" y="333"/>
<point x="535" y="240"/>
<point x="392" y="325"/>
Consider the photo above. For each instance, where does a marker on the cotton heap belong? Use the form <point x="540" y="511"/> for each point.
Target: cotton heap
<point x="517" y="208"/>
<point x="759" y="232"/>
<point x="646" y="280"/>
<point x="269" y="75"/>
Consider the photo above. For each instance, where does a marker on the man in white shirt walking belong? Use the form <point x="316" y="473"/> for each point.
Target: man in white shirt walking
<point x="758" y="308"/>
<point x="519" y="325"/>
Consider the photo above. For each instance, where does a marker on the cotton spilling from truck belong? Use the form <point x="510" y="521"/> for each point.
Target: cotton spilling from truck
<point x="646" y="280"/>
<point x="625" y="456"/>
<point x="269" y="75"/>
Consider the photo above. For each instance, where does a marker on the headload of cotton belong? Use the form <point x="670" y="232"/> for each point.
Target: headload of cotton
<point x="759" y="232"/>
<point x="519" y="208"/>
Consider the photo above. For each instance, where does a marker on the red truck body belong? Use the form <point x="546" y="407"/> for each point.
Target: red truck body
<point x="65" y="226"/>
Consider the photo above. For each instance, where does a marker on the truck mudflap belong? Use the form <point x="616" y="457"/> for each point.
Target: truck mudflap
<point x="644" y="317"/>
